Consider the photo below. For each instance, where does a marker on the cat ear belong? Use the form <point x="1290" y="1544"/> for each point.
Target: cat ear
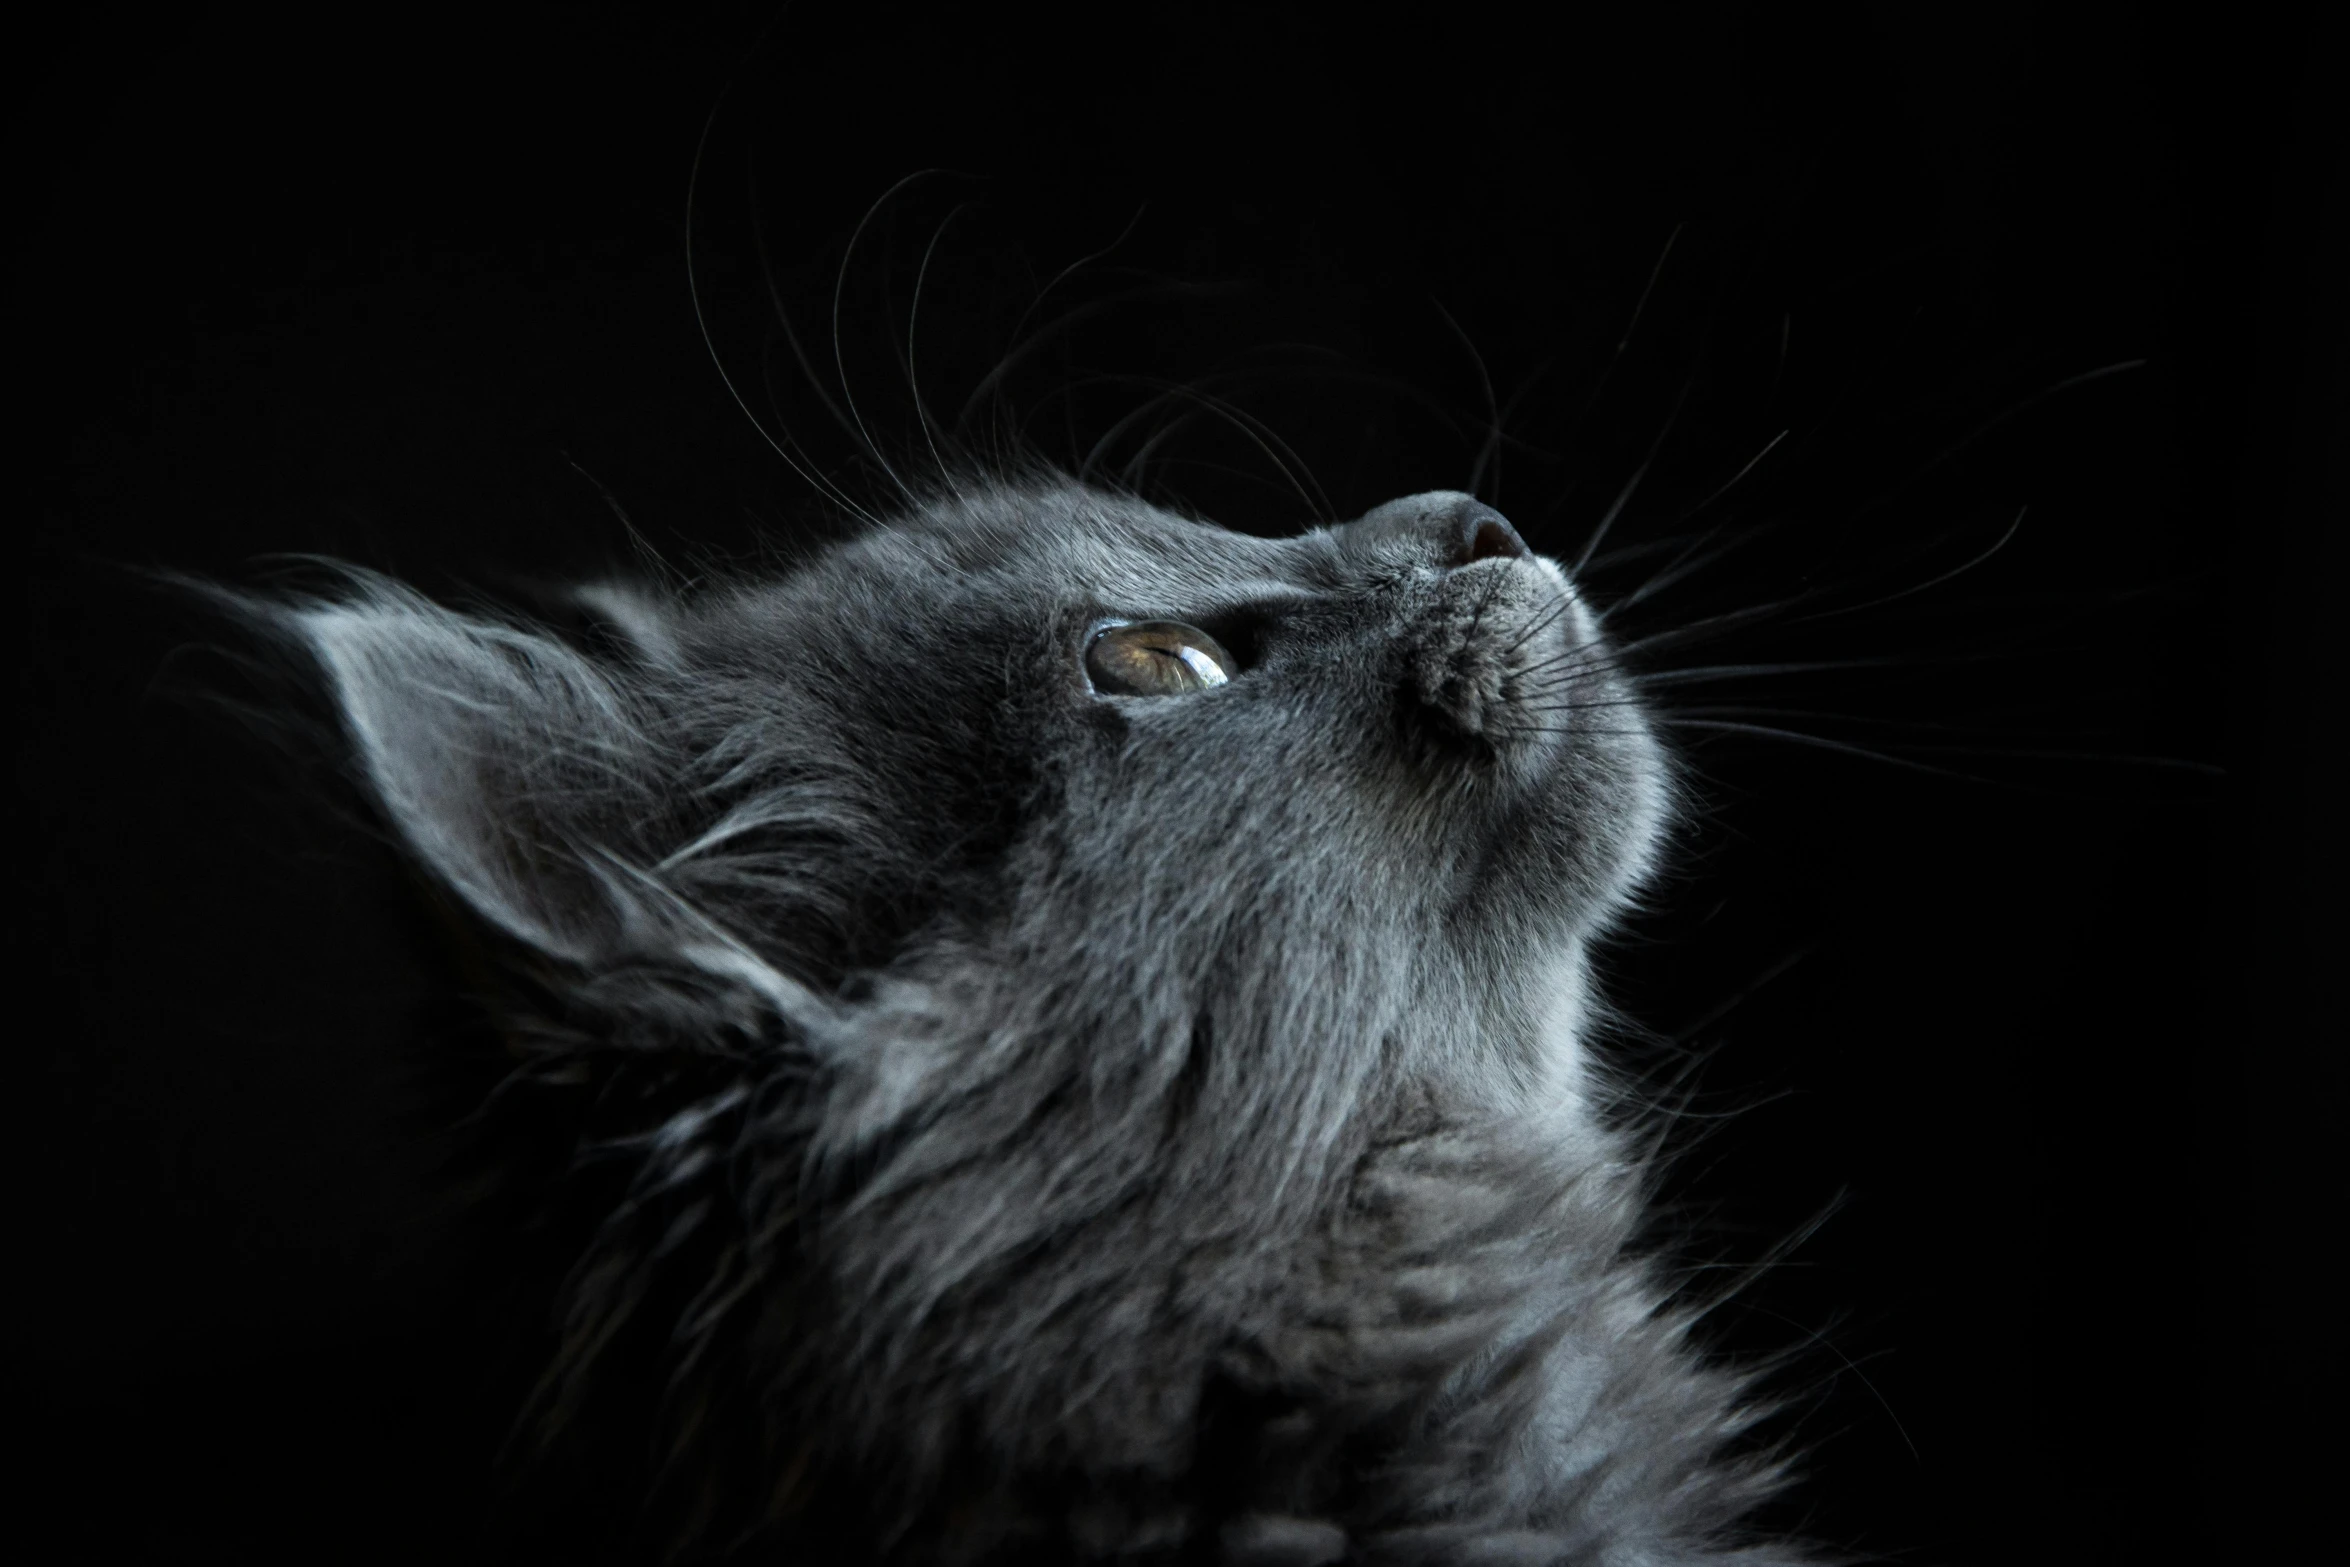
<point x="518" y="774"/>
<point x="538" y="787"/>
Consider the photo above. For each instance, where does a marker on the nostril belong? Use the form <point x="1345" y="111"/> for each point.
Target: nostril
<point x="1486" y="535"/>
<point x="1442" y="529"/>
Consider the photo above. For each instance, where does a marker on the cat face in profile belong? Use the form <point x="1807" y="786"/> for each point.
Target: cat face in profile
<point x="1046" y="961"/>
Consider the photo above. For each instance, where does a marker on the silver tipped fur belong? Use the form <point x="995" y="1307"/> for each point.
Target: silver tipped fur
<point x="1059" y="1127"/>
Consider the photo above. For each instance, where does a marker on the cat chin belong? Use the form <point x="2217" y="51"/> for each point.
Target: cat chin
<point x="1543" y="1076"/>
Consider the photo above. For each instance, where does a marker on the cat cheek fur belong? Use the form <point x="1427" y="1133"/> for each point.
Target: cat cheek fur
<point x="1025" y="1075"/>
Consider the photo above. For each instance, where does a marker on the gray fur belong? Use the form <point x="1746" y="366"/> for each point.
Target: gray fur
<point x="1068" y="1127"/>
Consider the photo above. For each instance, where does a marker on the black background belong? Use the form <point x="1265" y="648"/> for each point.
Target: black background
<point x="410" y="287"/>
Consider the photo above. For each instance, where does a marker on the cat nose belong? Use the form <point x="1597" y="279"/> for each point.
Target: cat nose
<point x="1481" y="533"/>
<point x="1455" y="529"/>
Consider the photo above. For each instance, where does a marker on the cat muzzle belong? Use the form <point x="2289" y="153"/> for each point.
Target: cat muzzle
<point x="1492" y="648"/>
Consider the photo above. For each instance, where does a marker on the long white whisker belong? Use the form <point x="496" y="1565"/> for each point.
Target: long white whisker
<point x="693" y="289"/>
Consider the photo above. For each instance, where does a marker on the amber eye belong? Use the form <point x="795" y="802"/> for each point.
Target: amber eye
<point x="1154" y="658"/>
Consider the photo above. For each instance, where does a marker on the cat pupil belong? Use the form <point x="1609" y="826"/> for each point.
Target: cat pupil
<point x="1155" y="658"/>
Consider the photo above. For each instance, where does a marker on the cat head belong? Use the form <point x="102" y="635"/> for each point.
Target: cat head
<point x="1039" y="772"/>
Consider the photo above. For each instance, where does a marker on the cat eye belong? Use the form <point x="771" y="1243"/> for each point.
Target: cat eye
<point x="1154" y="658"/>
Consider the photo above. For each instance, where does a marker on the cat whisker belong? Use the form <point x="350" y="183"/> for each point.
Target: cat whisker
<point x="1021" y="347"/>
<point x="1631" y="325"/>
<point x="782" y="447"/>
<point x="1683" y="566"/>
<point x="840" y="281"/>
<point x="1493" y="581"/>
<point x="1254" y="430"/>
<point x="1488" y="449"/>
<point x="1732" y="482"/>
<point x="783" y="318"/>
<point x="1997" y="545"/>
<point x="1138" y="465"/>
<point x="1709" y="626"/>
<point x="1818" y="742"/>
<point x="2016" y="409"/>
<point x="1543" y="689"/>
<point x="1706" y="674"/>
<point x="1688" y="564"/>
<point x="1551" y="615"/>
<point x="1632" y="484"/>
<point x="930" y="426"/>
<point x="1542" y="708"/>
<point x="1587" y="653"/>
<point x="1563" y="669"/>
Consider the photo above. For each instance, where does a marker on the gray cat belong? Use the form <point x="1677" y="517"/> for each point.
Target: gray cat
<point x="1074" y="1027"/>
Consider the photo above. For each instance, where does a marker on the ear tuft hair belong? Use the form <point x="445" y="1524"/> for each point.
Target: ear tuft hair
<point x="505" y="760"/>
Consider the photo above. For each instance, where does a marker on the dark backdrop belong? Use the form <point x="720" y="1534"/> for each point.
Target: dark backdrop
<point x="2022" y="998"/>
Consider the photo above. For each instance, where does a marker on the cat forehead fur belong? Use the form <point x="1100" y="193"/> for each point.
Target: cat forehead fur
<point x="1284" y="823"/>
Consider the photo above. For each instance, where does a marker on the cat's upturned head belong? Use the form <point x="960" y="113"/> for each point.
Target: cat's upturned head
<point x="1051" y="732"/>
<point x="1052" y="907"/>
